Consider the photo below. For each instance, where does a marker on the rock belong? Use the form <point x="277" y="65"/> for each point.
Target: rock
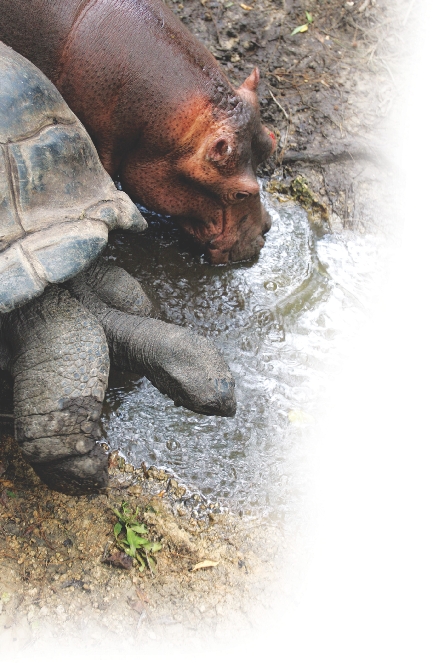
<point x="156" y="473"/>
<point x="135" y="490"/>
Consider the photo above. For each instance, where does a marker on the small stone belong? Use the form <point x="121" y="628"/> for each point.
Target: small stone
<point x="180" y="492"/>
<point x="157" y="474"/>
<point x="113" y="459"/>
<point x="129" y="468"/>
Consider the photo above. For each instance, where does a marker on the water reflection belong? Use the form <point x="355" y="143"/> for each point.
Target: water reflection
<point x="280" y="323"/>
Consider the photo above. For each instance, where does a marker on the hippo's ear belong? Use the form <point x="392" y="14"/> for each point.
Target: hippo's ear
<point x="220" y="149"/>
<point x="251" y="83"/>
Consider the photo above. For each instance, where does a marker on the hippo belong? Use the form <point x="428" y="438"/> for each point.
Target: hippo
<point x="165" y="120"/>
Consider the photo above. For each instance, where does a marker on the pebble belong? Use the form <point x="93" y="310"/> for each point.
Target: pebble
<point x="156" y="473"/>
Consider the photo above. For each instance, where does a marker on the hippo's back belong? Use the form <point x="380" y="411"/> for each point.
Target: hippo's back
<point x="49" y="21"/>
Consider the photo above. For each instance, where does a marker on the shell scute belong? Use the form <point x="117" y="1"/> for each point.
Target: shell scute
<point x="10" y="229"/>
<point x="57" y="203"/>
<point x="29" y="101"/>
<point x="55" y="173"/>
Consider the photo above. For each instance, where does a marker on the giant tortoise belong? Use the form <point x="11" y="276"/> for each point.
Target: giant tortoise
<point x="65" y="312"/>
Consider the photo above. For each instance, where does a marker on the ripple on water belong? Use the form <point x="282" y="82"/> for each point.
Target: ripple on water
<point x="279" y="322"/>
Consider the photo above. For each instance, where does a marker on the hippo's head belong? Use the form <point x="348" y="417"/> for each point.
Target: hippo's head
<point x="205" y="174"/>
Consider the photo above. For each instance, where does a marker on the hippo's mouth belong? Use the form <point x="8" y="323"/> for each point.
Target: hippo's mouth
<point x="233" y="234"/>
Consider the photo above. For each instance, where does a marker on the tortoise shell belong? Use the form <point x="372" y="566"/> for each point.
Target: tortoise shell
<point x="57" y="203"/>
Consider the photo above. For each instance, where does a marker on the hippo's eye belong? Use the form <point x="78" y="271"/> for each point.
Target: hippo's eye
<point x="241" y="195"/>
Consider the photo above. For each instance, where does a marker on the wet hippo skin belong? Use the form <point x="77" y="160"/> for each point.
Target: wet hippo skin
<point x="164" y="118"/>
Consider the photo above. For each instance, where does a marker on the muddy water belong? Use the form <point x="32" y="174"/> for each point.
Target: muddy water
<point x="281" y="323"/>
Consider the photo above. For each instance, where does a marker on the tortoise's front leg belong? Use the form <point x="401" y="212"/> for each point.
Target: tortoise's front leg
<point x="185" y="366"/>
<point x="60" y="363"/>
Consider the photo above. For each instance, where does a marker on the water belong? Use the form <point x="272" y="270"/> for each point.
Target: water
<point x="281" y="323"/>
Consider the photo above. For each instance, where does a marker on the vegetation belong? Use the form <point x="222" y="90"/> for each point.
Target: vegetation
<point x="128" y="531"/>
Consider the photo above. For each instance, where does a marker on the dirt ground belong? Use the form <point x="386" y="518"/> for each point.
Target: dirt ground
<point x="327" y="93"/>
<point x="62" y="576"/>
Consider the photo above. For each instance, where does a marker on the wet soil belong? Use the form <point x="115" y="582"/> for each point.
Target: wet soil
<point x="327" y="93"/>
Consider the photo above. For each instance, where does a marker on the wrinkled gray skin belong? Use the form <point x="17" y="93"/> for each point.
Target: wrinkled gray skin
<point x="58" y="348"/>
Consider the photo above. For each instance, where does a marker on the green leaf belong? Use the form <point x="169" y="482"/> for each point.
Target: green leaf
<point x="300" y="28"/>
<point x="134" y="540"/>
<point x="156" y="546"/>
<point x="140" y="529"/>
<point x="309" y="17"/>
<point x="141" y="560"/>
<point x="126" y="548"/>
<point x="152" y="563"/>
<point x="116" y="512"/>
<point x="117" y="529"/>
<point x="130" y="537"/>
<point x="152" y="546"/>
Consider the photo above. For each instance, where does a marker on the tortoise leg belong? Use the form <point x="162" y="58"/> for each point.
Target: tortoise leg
<point x="118" y="289"/>
<point x="59" y="363"/>
<point x="6" y="399"/>
<point x="185" y="366"/>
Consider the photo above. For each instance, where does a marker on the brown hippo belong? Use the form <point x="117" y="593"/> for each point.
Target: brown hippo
<point x="163" y="116"/>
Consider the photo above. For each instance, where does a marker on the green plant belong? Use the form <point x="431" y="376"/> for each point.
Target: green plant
<point x="127" y="531"/>
<point x="304" y="27"/>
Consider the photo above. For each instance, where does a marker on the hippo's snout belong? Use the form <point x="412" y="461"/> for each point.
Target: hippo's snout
<point x="243" y="236"/>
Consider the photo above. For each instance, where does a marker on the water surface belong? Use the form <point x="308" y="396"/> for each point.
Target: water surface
<point x="280" y="322"/>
